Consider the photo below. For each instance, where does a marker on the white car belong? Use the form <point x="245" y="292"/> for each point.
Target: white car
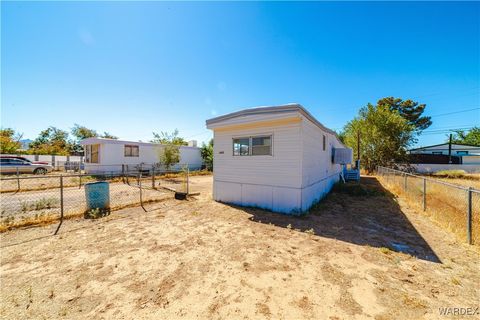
<point x="23" y="165"/>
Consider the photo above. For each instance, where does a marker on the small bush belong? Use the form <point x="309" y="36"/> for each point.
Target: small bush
<point x="44" y="203"/>
<point x="310" y="231"/>
<point x="450" y="173"/>
<point x="385" y="250"/>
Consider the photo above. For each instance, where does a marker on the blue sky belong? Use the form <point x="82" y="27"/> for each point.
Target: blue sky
<point x="133" y="68"/>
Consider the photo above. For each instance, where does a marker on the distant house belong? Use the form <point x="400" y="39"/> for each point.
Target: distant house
<point x="278" y="158"/>
<point x="108" y="155"/>
<point x="443" y="149"/>
<point x="439" y="157"/>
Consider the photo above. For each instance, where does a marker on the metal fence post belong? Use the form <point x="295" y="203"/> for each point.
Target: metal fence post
<point x="18" y="180"/>
<point x="424" y="194"/>
<point x="80" y="181"/>
<point x="405" y="182"/>
<point x="188" y="180"/>
<point x="61" y="205"/>
<point x="141" y="194"/>
<point x="469" y="215"/>
<point x="153" y="176"/>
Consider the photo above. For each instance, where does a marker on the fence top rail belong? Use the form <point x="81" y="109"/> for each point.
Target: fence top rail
<point x="431" y="179"/>
<point x="113" y="174"/>
<point x="57" y="176"/>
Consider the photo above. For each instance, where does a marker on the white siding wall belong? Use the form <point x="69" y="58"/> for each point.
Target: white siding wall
<point x="112" y="156"/>
<point x="319" y="174"/>
<point x="270" y="182"/>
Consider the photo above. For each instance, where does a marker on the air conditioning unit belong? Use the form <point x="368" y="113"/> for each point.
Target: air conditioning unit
<point x="342" y="155"/>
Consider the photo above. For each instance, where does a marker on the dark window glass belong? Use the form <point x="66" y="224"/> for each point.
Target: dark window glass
<point x="261" y="146"/>
<point x="131" y="151"/>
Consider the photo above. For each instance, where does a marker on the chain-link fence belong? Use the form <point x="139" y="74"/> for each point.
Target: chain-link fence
<point x="28" y="200"/>
<point x="454" y="207"/>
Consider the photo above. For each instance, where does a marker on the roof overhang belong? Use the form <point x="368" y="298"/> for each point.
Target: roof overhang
<point x="276" y="112"/>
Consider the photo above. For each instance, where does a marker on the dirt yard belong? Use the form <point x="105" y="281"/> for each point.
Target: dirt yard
<point x="360" y="254"/>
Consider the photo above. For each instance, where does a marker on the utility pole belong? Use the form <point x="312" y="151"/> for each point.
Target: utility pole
<point x="450" y="150"/>
<point x="358" y="151"/>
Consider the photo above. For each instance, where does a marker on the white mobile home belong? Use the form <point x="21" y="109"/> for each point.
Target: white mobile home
<point x="454" y="149"/>
<point x="108" y="155"/>
<point x="278" y="158"/>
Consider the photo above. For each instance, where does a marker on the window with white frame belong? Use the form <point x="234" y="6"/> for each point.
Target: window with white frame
<point x="252" y="146"/>
<point x="131" y="151"/>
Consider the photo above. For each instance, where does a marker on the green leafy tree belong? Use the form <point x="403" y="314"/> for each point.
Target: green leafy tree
<point x="169" y="155"/>
<point x="207" y="154"/>
<point x="82" y="132"/>
<point x="169" y="138"/>
<point x="9" y="141"/>
<point x="384" y="136"/>
<point x="79" y="133"/>
<point x="410" y="110"/>
<point x="107" y="135"/>
<point x="170" y="151"/>
<point x="470" y="137"/>
<point x="51" y="141"/>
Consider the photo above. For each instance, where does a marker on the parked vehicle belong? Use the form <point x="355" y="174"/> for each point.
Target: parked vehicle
<point x="11" y="164"/>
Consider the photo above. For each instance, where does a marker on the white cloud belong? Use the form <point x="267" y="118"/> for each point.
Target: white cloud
<point x="86" y="37"/>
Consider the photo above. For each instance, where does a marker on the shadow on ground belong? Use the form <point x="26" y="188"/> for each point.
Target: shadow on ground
<point x="362" y="213"/>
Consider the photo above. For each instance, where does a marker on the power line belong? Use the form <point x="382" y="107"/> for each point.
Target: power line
<point x="443" y="92"/>
<point x="433" y="132"/>
<point x="455" y="112"/>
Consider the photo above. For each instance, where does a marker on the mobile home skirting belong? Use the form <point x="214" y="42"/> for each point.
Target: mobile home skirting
<point x="286" y="200"/>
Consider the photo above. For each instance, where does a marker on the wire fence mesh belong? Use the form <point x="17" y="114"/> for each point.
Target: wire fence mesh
<point x="27" y="200"/>
<point x="454" y="207"/>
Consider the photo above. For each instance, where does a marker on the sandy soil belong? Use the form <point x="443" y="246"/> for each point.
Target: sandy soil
<point x="358" y="255"/>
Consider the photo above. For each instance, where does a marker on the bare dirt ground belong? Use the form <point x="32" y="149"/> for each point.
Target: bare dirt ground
<point x="360" y="254"/>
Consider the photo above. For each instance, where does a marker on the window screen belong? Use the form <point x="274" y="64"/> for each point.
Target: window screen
<point x="261" y="146"/>
<point x="241" y="147"/>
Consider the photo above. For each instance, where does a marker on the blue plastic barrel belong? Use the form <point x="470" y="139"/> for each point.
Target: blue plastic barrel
<point x="97" y="195"/>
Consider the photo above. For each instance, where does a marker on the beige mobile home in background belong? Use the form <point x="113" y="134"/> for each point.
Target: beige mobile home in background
<point x="278" y="158"/>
